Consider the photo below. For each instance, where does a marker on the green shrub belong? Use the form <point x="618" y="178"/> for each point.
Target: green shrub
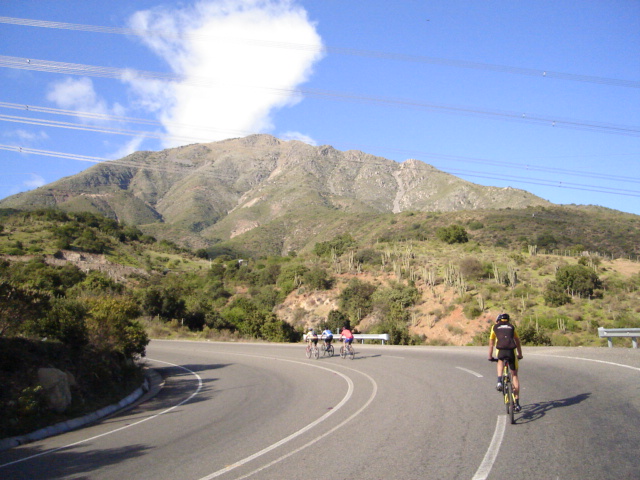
<point x="452" y="234"/>
<point x="532" y="335"/>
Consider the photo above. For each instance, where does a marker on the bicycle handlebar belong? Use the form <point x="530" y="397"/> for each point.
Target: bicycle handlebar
<point x="493" y="359"/>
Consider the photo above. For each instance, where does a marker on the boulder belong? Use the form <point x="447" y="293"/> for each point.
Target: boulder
<point x="56" y="384"/>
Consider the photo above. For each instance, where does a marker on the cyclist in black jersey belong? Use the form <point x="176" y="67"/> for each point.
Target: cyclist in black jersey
<point x="505" y="338"/>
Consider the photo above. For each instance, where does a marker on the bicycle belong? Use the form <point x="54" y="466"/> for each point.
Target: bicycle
<point x="507" y="389"/>
<point x="312" y="351"/>
<point x="346" y="350"/>
<point x="327" y="350"/>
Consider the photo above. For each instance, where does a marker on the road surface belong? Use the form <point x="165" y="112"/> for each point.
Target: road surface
<point x="265" y="411"/>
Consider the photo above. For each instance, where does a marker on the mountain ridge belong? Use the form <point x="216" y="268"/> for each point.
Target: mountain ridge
<point x="201" y="194"/>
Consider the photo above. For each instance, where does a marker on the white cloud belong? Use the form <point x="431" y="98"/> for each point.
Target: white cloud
<point x="131" y="146"/>
<point x="35" y="181"/>
<point x="26" y="136"/>
<point x="240" y="59"/>
<point x="298" y="136"/>
<point x="79" y="94"/>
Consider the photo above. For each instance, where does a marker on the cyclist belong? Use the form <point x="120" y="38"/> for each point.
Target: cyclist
<point x="311" y="337"/>
<point x="347" y="336"/>
<point x="327" y="337"/>
<point x="505" y="338"/>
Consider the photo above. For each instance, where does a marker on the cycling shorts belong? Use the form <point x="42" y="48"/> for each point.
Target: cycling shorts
<point x="509" y="356"/>
<point x="314" y="340"/>
<point x="348" y="340"/>
<point x="328" y="339"/>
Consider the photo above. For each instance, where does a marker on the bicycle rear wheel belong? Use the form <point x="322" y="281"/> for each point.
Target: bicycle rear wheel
<point x="316" y="353"/>
<point x="343" y="352"/>
<point x="352" y="352"/>
<point x="330" y="350"/>
<point x="308" y="352"/>
<point x="511" y="404"/>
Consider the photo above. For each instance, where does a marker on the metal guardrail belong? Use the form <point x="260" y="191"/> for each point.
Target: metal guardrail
<point x="365" y="336"/>
<point x="634" y="333"/>
<point x="371" y="336"/>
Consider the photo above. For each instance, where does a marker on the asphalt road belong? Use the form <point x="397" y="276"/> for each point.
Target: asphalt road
<point x="264" y="411"/>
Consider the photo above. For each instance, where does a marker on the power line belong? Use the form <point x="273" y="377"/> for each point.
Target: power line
<point x="532" y="72"/>
<point x="144" y="134"/>
<point x="120" y="73"/>
<point x="520" y="180"/>
<point x="105" y="117"/>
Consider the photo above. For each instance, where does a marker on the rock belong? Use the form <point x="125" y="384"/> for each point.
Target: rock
<point x="56" y="385"/>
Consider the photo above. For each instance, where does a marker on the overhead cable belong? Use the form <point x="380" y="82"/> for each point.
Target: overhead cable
<point x="144" y="134"/>
<point x="532" y="72"/>
<point x="524" y="180"/>
<point x="120" y="73"/>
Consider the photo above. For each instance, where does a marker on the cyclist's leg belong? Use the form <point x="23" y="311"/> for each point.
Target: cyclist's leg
<point x="513" y="363"/>
<point x="499" y="369"/>
<point x="516" y="383"/>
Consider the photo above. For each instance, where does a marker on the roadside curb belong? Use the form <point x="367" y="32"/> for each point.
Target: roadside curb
<point x="150" y="387"/>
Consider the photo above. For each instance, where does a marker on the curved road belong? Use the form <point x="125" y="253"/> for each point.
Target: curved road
<point x="264" y="411"/>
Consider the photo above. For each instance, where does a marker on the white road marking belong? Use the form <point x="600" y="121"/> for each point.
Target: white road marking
<point x="302" y="430"/>
<point x="490" y="457"/>
<point x="479" y="375"/>
<point x="587" y="360"/>
<point x="47" y="452"/>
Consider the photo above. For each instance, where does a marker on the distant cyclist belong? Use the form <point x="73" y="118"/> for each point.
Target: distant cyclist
<point x="346" y="334"/>
<point x="327" y="336"/>
<point x="505" y="338"/>
<point x="311" y="337"/>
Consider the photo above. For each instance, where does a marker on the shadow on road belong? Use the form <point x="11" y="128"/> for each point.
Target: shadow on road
<point x="69" y="462"/>
<point x="535" y="411"/>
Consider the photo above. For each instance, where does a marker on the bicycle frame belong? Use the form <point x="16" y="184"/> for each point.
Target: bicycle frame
<point x="347" y="350"/>
<point x="312" y="350"/>
<point x="507" y="389"/>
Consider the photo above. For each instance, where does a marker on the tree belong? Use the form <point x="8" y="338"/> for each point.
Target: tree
<point x="112" y="326"/>
<point x="452" y="234"/>
<point x="355" y="299"/>
<point x="63" y="321"/>
<point x="339" y="245"/>
<point x="317" y="279"/>
<point x="163" y="302"/>
<point x="19" y="305"/>
<point x="335" y="320"/>
<point x="577" y="280"/>
<point x="555" y="294"/>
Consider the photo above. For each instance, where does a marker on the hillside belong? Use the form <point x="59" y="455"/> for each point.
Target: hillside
<point x="288" y="193"/>
<point x="423" y="290"/>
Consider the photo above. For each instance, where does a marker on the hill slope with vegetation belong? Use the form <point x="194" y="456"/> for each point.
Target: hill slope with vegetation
<point x="96" y="289"/>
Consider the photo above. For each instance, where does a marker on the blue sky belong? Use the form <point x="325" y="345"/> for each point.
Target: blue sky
<point x="542" y="96"/>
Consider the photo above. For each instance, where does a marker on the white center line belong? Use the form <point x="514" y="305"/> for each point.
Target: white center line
<point x="492" y="452"/>
<point x="479" y="375"/>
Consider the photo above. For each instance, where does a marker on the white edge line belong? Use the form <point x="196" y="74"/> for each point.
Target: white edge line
<point x="479" y="375"/>
<point x="492" y="453"/>
<point x="47" y="452"/>
<point x="586" y="360"/>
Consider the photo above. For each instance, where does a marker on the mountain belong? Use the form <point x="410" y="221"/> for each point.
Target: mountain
<point x="284" y="192"/>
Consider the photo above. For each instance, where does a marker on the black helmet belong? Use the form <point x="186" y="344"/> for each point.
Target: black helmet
<point x="503" y="317"/>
